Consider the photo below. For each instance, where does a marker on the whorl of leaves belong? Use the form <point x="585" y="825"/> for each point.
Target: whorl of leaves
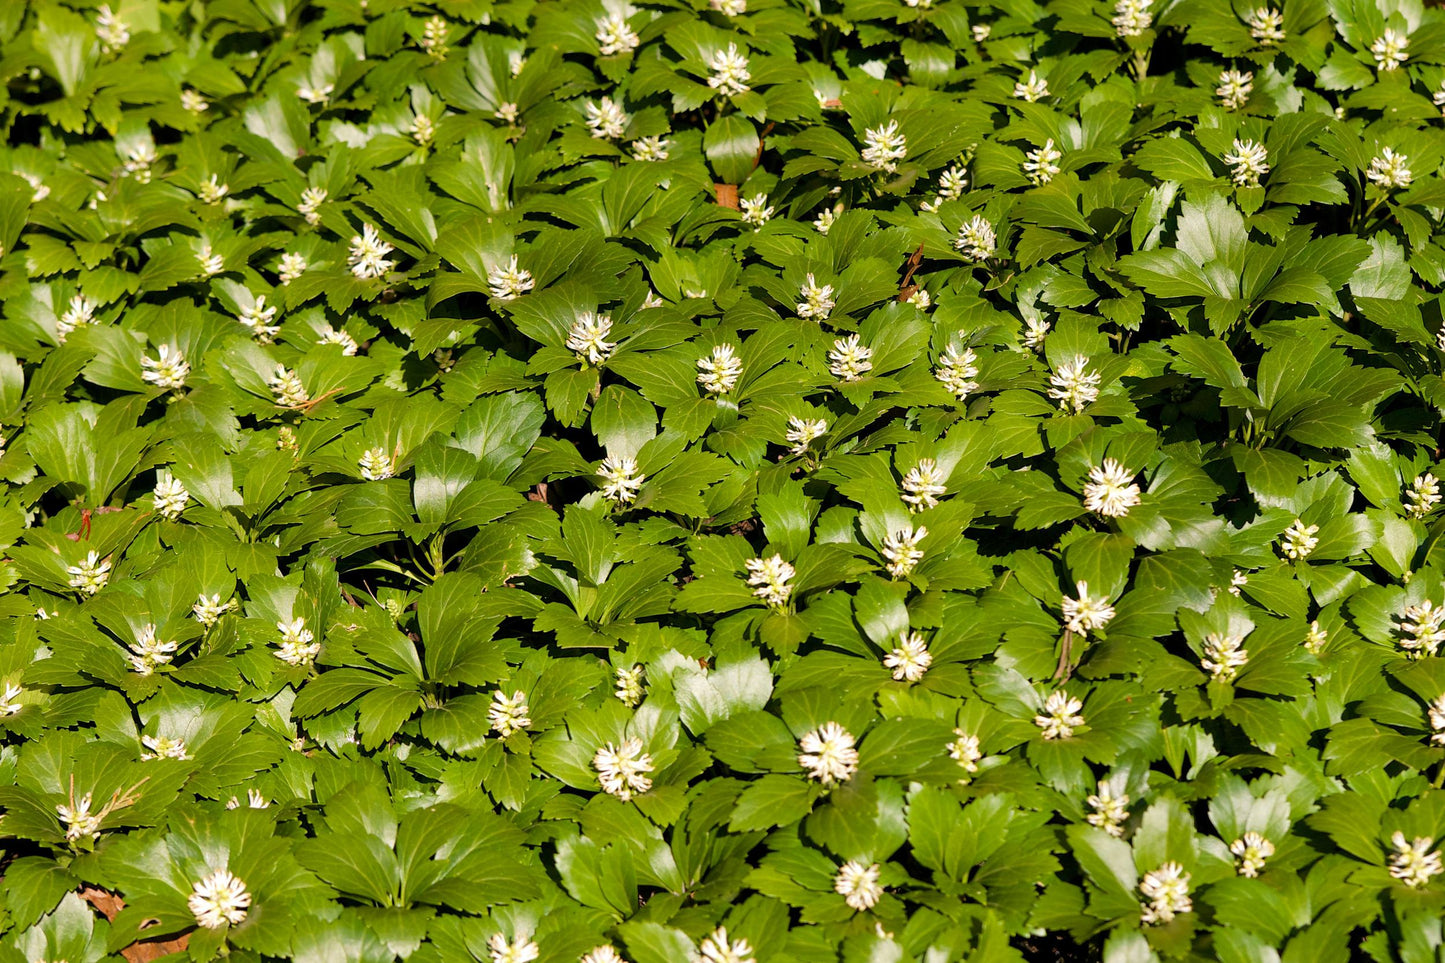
<point x="889" y="480"/>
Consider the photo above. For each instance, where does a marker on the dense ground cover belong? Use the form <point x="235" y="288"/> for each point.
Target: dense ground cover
<point x="738" y="480"/>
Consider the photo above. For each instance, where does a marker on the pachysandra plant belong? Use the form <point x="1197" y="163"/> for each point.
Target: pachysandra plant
<point x="739" y="481"/>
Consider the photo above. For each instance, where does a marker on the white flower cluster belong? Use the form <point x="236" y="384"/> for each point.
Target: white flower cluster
<point x="520" y="949"/>
<point x="1299" y="539"/>
<point x="756" y="210"/>
<point x="922" y="485"/>
<point x="1033" y="90"/>
<point x="286" y="385"/>
<point x="823" y="223"/>
<point x="212" y="191"/>
<point x="1390" y="170"/>
<point x="802" y="432"/>
<point x="910" y="659"/>
<point x="208" y="610"/>
<point x="80" y="311"/>
<point x="257" y="318"/>
<point x="138" y="162"/>
<point x="606" y="119"/>
<point x="614" y="36"/>
<point x="330" y="335"/>
<point x="310" y="205"/>
<point x="650" y="149"/>
<point x="376" y="464"/>
<point x="148" y="652"/>
<point x="769" y="578"/>
<point x="1249" y="162"/>
<point x="1036" y="330"/>
<point x="1167" y="890"/>
<point x="1041" y="165"/>
<point x="956" y="371"/>
<point x="1265" y="25"/>
<point x="314" y="95"/>
<point x="1223" y="656"/>
<point x="89" y="577"/>
<point x="951" y="185"/>
<point x="1073" y="385"/>
<point x="255" y="799"/>
<point x="966" y="750"/>
<point x="976" y="239"/>
<point x="1110" y="810"/>
<point x="1060" y="716"/>
<point x="849" y="359"/>
<point x="587" y="338"/>
<point x="211" y="263"/>
<point x="167" y="371"/>
<point x="1414" y="862"/>
<point x="219" y="899"/>
<point x="1435" y="714"/>
<point x="367" y="254"/>
<point x="730" y="74"/>
<point x="110" y="30"/>
<point x="717" y="948"/>
<point x="1110" y="490"/>
<point x="1389" y="50"/>
<point x="718" y="373"/>
<point x="291" y="267"/>
<point x="298" y="645"/>
<point x="1423" y="629"/>
<point x="509" y="714"/>
<point x="622" y="479"/>
<point x="602" y="954"/>
<point x="817" y="301"/>
<point x="1132" y="17"/>
<point x="434" y="38"/>
<point x="858" y="885"/>
<point x="1253" y="850"/>
<point x="1315" y="638"/>
<point x="164" y="747"/>
<point x="629" y="687"/>
<point x="169" y="496"/>
<point x="80" y="822"/>
<point x="828" y="754"/>
<point x="901" y="551"/>
<point x="1422" y="495"/>
<point x="1234" y="88"/>
<point x="884" y="147"/>
<point x="622" y="769"/>
<point x="1086" y="613"/>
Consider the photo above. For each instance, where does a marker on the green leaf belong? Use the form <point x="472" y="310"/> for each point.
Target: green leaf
<point x="731" y="145"/>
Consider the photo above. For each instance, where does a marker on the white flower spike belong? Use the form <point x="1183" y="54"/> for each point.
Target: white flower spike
<point x="828" y="754"/>
<point x="884" y="147"/>
<point x="730" y="74"/>
<point x="219" y="899"/>
<point x="1060" y="716"/>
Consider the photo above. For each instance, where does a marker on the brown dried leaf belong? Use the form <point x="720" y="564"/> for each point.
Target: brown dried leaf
<point x="727" y="195"/>
<point x="141" y="951"/>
